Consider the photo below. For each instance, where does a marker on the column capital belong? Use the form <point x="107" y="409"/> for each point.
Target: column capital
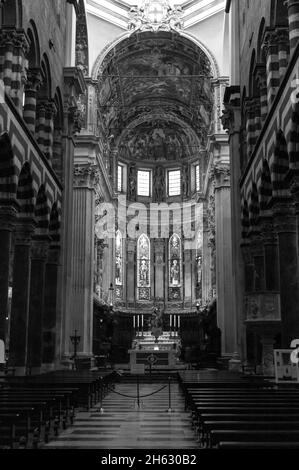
<point x="39" y="250"/>
<point x="54" y="254"/>
<point x="8" y="217"/>
<point x="24" y="231"/>
<point x="14" y="37"/>
<point x="284" y="218"/>
<point x="85" y="175"/>
<point x="34" y="80"/>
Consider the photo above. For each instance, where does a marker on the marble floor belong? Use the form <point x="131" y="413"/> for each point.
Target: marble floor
<point x="122" y="425"/>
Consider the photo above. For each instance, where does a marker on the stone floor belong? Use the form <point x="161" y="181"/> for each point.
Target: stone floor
<point x="122" y="425"/>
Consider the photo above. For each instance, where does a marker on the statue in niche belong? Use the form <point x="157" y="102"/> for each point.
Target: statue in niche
<point x="185" y="180"/>
<point x="132" y="183"/>
<point x="159" y="180"/>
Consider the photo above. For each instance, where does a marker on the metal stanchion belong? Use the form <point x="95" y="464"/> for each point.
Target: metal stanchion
<point x="138" y="393"/>
<point x="101" y="409"/>
<point x="169" y="396"/>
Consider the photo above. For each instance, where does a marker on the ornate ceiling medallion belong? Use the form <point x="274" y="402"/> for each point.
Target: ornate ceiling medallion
<point x="155" y="15"/>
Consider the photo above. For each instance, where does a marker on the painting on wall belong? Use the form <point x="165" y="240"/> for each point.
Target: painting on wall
<point x="159" y="141"/>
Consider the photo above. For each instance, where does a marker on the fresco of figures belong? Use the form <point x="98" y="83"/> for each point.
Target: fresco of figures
<point x="158" y="141"/>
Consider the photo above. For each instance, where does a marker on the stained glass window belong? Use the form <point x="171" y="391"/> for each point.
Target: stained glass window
<point x="143" y="254"/>
<point x="175" y="261"/>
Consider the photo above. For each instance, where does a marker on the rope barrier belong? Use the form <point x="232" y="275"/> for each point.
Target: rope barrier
<point x="140" y="396"/>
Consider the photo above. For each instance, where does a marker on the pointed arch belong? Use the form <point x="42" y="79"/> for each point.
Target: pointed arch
<point x="12" y="14"/>
<point x="294" y="142"/>
<point x="42" y="212"/>
<point x="266" y="188"/>
<point x="254" y="207"/>
<point x="8" y="173"/>
<point x="245" y="220"/>
<point x="280" y="167"/>
<point x="25" y="193"/>
<point x="33" y="56"/>
<point x="54" y="224"/>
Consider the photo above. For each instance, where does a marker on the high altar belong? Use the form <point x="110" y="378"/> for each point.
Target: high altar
<point x="150" y="353"/>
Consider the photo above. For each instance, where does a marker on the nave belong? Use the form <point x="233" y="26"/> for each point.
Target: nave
<point x="123" y="425"/>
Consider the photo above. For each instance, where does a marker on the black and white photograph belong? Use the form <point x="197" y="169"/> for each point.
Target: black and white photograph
<point x="149" y="230"/>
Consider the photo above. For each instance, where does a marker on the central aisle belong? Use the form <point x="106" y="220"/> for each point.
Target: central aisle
<point x="123" y="426"/>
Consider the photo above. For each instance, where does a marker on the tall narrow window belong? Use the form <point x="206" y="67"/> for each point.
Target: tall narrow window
<point x="143" y="183"/>
<point x="175" y="274"/>
<point x="197" y="178"/>
<point x="174" y="182"/>
<point x="119" y="178"/>
<point x="143" y="267"/>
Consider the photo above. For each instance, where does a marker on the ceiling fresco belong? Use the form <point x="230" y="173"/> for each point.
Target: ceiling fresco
<point x="165" y="79"/>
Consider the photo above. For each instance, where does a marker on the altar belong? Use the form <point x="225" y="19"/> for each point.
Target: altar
<point x="148" y="353"/>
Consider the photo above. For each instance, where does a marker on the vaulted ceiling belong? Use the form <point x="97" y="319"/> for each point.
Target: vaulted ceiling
<point x="155" y="98"/>
<point x="116" y="11"/>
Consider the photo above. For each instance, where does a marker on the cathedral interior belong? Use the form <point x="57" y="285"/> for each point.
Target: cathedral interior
<point x="149" y="221"/>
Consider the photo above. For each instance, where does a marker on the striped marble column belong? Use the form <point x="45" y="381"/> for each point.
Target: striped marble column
<point x="49" y="129"/>
<point x="250" y="127"/>
<point x="257" y="119"/>
<point x="6" y="54"/>
<point x="272" y="66"/>
<point x="293" y="10"/>
<point x="57" y="152"/>
<point x="40" y="125"/>
<point x="283" y="50"/>
<point x="13" y="63"/>
<point x="262" y="84"/>
<point x="31" y="89"/>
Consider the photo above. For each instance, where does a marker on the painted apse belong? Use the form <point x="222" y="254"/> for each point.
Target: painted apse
<point x="155" y="104"/>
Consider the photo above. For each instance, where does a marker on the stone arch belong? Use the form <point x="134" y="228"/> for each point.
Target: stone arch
<point x="293" y="146"/>
<point x="96" y="68"/>
<point x="12" y="14"/>
<point x="45" y="91"/>
<point x="245" y="223"/>
<point x="279" y="13"/>
<point x="41" y="212"/>
<point x="25" y="193"/>
<point x="254" y="206"/>
<point x="261" y="57"/>
<point x="252" y="85"/>
<point x="8" y="173"/>
<point x="266" y="187"/>
<point x="54" y="224"/>
<point x="280" y="166"/>
<point x="33" y="56"/>
<point x="57" y="160"/>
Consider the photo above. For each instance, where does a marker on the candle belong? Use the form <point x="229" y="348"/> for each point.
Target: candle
<point x="179" y="321"/>
<point x="142" y="321"/>
<point x="170" y="321"/>
<point x="174" y="321"/>
<point x="134" y="321"/>
<point x="138" y="321"/>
